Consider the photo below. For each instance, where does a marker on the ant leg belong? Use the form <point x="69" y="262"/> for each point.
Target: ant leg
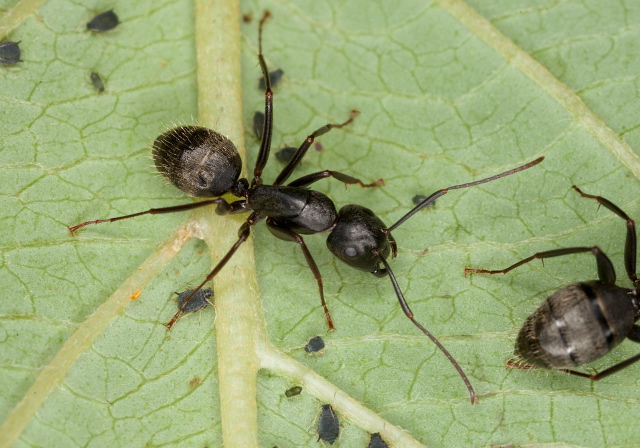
<point x="409" y="314"/>
<point x="630" y="243"/>
<point x="606" y="272"/>
<point x="243" y="235"/>
<point x="346" y="179"/>
<point x="265" y="142"/>
<point x="286" y="234"/>
<point x="302" y="150"/>
<point x="444" y="191"/>
<point x="154" y="211"/>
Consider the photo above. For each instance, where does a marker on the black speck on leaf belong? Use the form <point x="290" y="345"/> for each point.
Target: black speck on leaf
<point x="105" y="21"/>
<point x="274" y="79"/>
<point x="295" y="390"/>
<point x="328" y="425"/>
<point x="377" y="441"/>
<point x="9" y="52"/>
<point x="258" y="124"/>
<point x="314" y="345"/>
<point x="286" y="154"/>
<point x="96" y="80"/>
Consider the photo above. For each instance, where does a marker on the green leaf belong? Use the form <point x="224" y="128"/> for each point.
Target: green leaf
<point x="448" y="94"/>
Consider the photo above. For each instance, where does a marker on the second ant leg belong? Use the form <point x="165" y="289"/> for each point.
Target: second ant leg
<point x="606" y="272"/>
<point x="345" y="178"/>
<point x="630" y="243"/>
<point x="153" y="211"/>
<point x="243" y="235"/>
<point x="265" y="141"/>
<point x="442" y="192"/>
<point x="407" y="311"/>
<point x="297" y="157"/>
<point x="286" y="234"/>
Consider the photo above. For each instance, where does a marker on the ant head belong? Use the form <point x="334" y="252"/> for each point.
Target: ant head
<point x="359" y="238"/>
<point x="198" y="161"/>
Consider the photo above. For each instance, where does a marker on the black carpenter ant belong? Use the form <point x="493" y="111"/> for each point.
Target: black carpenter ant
<point x="204" y="163"/>
<point x="583" y="321"/>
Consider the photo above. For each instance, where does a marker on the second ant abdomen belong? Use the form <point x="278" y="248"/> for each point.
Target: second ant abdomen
<point x="573" y="326"/>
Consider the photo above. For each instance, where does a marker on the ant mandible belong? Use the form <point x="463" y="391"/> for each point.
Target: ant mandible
<point x="583" y="321"/>
<point x="204" y="163"/>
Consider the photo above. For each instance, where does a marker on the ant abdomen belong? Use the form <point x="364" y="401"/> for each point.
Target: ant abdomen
<point x="197" y="160"/>
<point x="576" y="325"/>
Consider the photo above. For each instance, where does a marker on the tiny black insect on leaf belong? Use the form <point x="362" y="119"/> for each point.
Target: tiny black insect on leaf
<point x="96" y="80"/>
<point x="258" y="124"/>
<point x="9" y="52"/>
<point x="328" y="425"/>
<point x="274" y="79"/>
<point x="105" y="21"/>
<point x="295" y="390"/>
<point x="286" y="154"/>
<point x="417" y="199"/>
<point x="377" y="441"/>
<point x="314" y="345"/>
<point x="197" y="302"/>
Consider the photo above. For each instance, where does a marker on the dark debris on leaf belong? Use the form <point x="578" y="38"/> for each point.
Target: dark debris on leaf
<point x="105" y="21"/>
<point x="197" y="302"/>
<point x="9" y="52"/>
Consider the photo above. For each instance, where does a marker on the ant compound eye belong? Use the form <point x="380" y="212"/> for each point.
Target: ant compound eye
<point x="350" y="252"/>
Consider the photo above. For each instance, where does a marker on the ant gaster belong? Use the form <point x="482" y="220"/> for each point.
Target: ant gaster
<point x="583" y="321"/>
<point x="204" y="163"/>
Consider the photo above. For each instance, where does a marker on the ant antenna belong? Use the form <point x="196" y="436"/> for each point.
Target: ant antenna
<point x="409" y="314"/>
<point x="444" y="191"/>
